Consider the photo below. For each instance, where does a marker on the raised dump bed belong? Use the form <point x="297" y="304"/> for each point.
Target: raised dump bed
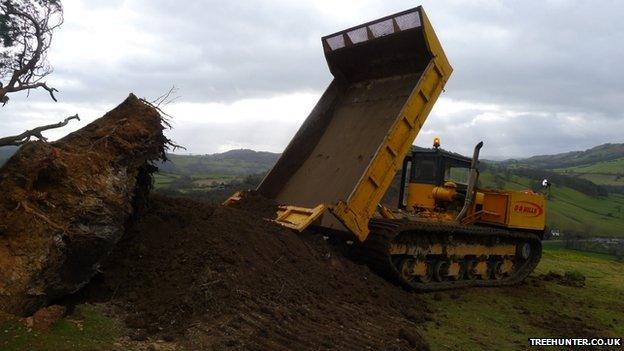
<point x="388" y="73"/>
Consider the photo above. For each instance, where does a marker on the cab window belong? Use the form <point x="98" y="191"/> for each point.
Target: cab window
<point x="457" y="174"/>
<point x="423" y="171"/>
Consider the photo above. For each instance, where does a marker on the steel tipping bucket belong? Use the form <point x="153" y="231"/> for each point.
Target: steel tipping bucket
<point x="381" y="75"/>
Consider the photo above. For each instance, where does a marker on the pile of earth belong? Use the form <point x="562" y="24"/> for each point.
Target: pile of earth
<point x="225" y="278"/>
<point x="64" y="205"/>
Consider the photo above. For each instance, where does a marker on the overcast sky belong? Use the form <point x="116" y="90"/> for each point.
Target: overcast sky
<point x="531" y="77"/>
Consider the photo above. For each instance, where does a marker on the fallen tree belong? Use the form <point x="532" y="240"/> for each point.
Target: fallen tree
<point x="64" y="205"/>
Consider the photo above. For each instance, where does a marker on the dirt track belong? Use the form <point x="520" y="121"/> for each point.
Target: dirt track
<point x="223" y="278"/>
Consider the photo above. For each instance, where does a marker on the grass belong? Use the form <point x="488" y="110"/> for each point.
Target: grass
<point x="608" y="167"/>
<point x="603" y="179"/>
<point x="87" y="328"/>
<point x="218" y="164"/>
<point x="504" y="318"/>
<point x="603" y="173"/>
<point x="571" y="210"/>
<point x="162" y="180"/>
<point x="193" y="182"/>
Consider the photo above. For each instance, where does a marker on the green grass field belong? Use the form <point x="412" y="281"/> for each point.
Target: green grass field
<point x="468" y="319"/>
<point x="87" y="328"/>
<point x="604" y="173"/>
<point x="196" y="182"/>
<point x="504" y="318"/>
<point x="609" y="167"/>
<point x="603" y="179"/>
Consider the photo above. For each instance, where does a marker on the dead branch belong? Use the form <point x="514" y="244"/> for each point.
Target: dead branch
<point x="28" y="32"/>
<point x="26" y="136"/>
<point x="166" y="98"/>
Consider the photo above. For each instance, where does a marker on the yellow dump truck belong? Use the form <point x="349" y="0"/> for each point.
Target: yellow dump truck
<point x="445" y="232"/>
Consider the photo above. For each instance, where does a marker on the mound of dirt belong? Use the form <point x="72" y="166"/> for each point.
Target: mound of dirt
<point x="64" y="205"/>
<point x="224" y="278"/>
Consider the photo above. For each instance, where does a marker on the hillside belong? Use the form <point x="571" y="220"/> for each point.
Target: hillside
<point x="189" y="173"/>
<point x="604" y="172"/>
<point x="231" y="163"/>
<point x="601" y="153"/>
<point x="603" y="165"/>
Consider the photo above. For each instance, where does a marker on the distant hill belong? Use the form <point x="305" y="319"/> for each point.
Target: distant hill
<point x="240" y="162"/>
<point x="602" y="153"/>
<point x="603" y="165"/>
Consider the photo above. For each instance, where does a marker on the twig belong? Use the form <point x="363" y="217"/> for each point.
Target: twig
<point x="166" y="98"/>
<point x="164" y="116"/>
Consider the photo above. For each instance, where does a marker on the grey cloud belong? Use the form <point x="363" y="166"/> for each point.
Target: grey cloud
<point x="526" y="133"/>
<point x="548" y="59"/>
<point x="215" y="51"/>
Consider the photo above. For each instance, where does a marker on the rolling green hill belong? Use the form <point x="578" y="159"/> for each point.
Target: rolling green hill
<point x="601" y="153"/>
<point x="231" y="163"/>
<point x="188" y="173"/>
<point x="605" y="172"/>
<point x="603" y="165"/>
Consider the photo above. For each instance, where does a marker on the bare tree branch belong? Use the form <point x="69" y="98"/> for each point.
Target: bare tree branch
<point x="25" y="137"/>
<point x="26" y="38"/>
<point x="166" y="98"/>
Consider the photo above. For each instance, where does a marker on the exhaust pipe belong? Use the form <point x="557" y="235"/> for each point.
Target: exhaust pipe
<point x="472" y="182"/>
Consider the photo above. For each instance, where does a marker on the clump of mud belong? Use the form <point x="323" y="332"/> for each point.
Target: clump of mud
<point x="569" y="278"/>
<point x="64" y="205"/>
<point x="225" y="278"/>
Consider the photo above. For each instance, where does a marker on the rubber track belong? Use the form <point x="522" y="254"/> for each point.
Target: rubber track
<point x="375" y="250"/>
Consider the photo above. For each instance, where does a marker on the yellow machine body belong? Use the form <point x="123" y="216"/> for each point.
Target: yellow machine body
<point x="426" y="196"/>
<point x="524" y="210"/>
<point x="420" y="196"/>
<point x="513" y="209"/>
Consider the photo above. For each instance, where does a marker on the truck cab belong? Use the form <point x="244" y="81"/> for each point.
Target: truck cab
<point x="432" y="178"/>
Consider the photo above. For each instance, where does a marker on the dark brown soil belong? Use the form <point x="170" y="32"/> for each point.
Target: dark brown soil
<point x="255" y="203"/>
<point x="224" y="278"/>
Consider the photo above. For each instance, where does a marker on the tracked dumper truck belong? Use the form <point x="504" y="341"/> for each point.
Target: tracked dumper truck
<point x="445" y="232"/>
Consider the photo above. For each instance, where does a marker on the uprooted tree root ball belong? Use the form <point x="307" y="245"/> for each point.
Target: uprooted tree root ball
<point x="224" y="278"/>
<point x="64" y="204"/>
